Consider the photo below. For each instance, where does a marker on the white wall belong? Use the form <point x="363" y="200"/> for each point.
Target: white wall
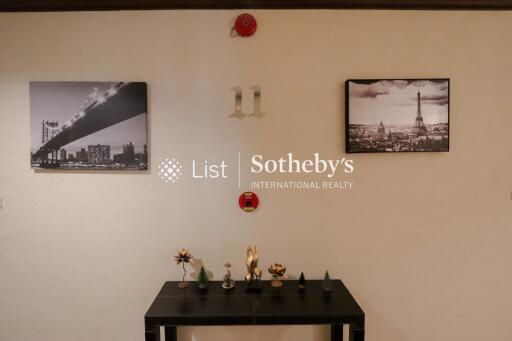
<point x="422" y="241"/>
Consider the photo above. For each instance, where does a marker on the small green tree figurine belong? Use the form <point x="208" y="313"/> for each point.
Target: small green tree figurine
<point x="327" y="282"/>
<point x="202" y="279"/>
<point x="302" y="281"/>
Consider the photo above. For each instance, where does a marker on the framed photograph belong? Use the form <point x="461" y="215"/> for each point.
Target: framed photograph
<point x="397" y="115"/>
<point x="89" y="125"/>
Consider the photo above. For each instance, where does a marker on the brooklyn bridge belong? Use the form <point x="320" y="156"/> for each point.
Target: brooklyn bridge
<point x="121" y="102"/>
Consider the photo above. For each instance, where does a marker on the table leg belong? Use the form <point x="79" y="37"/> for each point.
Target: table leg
<point x="356" y="334"/>
<point x="171" y="333"/>
<point x="336" y="332"/>
<point x="153" y="333"/>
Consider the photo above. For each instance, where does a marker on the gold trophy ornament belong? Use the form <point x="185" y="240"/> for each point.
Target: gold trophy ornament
<point x="184" y="256"/>
<point x="253" y="277"/>
<point x="276" y="270"/>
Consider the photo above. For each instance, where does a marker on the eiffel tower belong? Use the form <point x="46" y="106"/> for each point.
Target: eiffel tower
<point x="420" y="126"/>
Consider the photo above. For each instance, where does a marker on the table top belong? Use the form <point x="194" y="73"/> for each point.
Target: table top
<point x="284" y="305"/>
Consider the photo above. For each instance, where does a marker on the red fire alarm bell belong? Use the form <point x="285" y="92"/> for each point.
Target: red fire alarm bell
<point x="248" y="201"/>
<point x="245" y="25"/>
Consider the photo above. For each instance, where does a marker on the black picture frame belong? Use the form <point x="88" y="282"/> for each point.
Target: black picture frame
<point x="350" y="146"/>
<point x="113" y="5"/>
<point x="87" y="125"/>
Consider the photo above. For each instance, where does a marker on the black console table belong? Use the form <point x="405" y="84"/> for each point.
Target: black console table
<point x="272" y="306"/>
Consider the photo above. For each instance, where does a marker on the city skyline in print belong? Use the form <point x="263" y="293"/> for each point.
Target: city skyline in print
<point x="89" y="125"/>
<point x="397" y="115"/>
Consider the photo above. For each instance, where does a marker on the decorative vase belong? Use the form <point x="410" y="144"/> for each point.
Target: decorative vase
<point x="276" y="283"/>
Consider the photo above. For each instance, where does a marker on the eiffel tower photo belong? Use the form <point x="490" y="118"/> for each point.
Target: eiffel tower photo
<point x="380" y="115"/>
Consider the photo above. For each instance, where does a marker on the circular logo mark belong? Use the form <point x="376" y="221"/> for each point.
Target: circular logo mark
<point x="169" y="170"/>
<point x="248" y="201"/>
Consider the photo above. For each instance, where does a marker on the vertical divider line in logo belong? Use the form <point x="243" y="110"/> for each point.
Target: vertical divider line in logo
<point x="239" y="170"/>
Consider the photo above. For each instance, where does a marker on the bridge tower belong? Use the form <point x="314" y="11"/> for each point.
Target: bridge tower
<point x="49" y="130"/>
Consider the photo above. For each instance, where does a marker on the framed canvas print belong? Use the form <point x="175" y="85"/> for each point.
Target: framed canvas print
<point x="89" y="125"/>
<point x="397" y="115"/>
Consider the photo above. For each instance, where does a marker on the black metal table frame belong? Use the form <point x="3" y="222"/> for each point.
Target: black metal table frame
<point x="355" y="321"/>
<point x="356" y="332"/>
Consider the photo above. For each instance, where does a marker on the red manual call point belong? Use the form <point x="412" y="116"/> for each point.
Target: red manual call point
<point x="245" y="25"/>
<point x="248" y="201"/>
